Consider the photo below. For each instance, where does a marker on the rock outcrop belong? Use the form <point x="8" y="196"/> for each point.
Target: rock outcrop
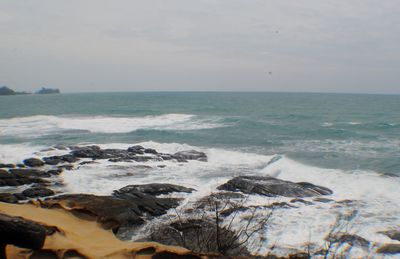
<point x="129" y="206"/>
<point x="33" y="162"/>
<point x="269" y="186"/>
<point x="20" y="232"/>
<point x="154" y="189"/>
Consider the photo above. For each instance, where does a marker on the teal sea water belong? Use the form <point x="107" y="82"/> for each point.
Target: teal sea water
<point x="345" y="131"/>
<point x="346" y="142"/>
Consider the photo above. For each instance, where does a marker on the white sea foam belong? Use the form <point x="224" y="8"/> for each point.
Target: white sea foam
<point x="45" y="124"/>
<point x="374" y="196"/>
<point x="349" y="146"/>
<point x="327" y="124"/>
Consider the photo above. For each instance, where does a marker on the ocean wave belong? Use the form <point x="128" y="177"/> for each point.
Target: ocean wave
<point x="46" y="124"/>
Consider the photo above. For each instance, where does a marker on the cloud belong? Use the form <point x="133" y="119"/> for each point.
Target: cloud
<point x="103" y="45"/>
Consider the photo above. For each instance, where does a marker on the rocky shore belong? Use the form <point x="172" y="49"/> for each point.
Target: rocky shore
<point x="37" y="219"/>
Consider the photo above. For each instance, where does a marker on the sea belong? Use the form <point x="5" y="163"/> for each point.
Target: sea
<point x="349" y="143"/>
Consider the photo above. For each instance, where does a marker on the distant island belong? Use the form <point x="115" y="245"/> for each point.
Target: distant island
<point x="4" y="90"/>
<point x="48" y="91"/>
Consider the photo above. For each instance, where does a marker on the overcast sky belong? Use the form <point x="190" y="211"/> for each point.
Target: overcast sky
<point x="221" y="45"/>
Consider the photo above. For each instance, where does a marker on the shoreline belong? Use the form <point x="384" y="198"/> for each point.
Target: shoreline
<point x="147" y="207"/>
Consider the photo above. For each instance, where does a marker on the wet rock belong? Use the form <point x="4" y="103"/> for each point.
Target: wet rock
<point x="316" y="188"/>
<point x="136" y="149"/>
<point x="66" y="167"/>
<point x="145" y="158"/>
<point x="150" y="151"/>
<point x="21" y="166"/>
<point x="18" y="177"/>
<point x="86" y="152"/>
<point x="269" y="186"/>
<point x="119" y="210"/>
<point x="111" y="212"/>
<point x="115" y="160"/>
<point x="165" y="156"/>
<point x="297" y="200"/>
<point x="393" y="234"/>
<point x="190" y="155"/>
<point x="29" y="173"/>
<point x="87" y="162"/>
<point x="7" y="166"/>
<point x="154" y="189"/>
<point x="4" y="174"/>
<point x="20" y="232"/>
<point x="323" y="200"/>
<point x="11" y="197"/>
<point x="33" y="162"/>
<point x="221" y="199"/>
<point x="38" y="192"/>
<point x="299" y="256"/>
<point x="55" y="160"/>
<point x="389" y="249"/>
<point x="55" y="172"/>
<point x="199" y="236"/>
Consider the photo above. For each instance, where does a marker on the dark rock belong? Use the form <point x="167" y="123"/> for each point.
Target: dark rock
<point x="147" y="203"/>
<point x="119" y="210"/>
<point x="87" y="152"/>
<point x="297" y="200"/>
<point x="199" y="236"/>
<point x="52" y="160"/>
<point x="66" y="167"/>
<point x="389" y="249"/>
<point x="55" y="172"/>
<point x="299" y="256"/>
<point x="393" y="234"/>
<point x="323" y="200"/>
<point x="116" y="160"/>
<point x="165" y="156"/>
<point x="150" y="151"/>
<point x="136" y="149"/>
<point x="87" y="162"/>
<point x="111" y="212"/>
<point x="69" y="158"/>
<point x="154" y="189"/>
<point x="172" y="255"/>
<point x="38" y="192"/>
<point x="21" y="166"/>
<point x="7" y="166"/>
<point x="20" y="232"/>
<point x="4" y="174"/>
<point x="190" y="155"/>
<point x="33" y="162"/>
<point x="21" y="176"/>
<point x="144" y="158"/>
<point x="55" y="160"/>
<point x="315" y="188"/>
<point x="21" y="173"/>
<point x="10" y="198"/>
<point x="221" y="199"/>
<point x="269" y="186"/>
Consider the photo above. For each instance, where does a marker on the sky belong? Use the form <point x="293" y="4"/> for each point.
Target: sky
<point x="202" y="45"/>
